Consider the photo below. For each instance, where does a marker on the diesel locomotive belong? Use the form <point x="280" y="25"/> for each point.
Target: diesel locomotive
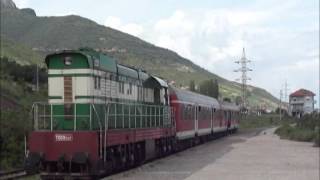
<point x="102" y="117"/>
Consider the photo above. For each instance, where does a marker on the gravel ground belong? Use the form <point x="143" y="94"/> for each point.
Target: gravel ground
<point x="247" y="155"/>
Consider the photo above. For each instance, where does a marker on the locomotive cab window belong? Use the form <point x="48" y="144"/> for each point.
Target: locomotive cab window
<point x="67" y="60"/>
<point x="97" y="83"/>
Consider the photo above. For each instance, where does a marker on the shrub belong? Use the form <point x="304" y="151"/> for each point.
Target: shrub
<point x="302" y="135"/>
<point x="300" y="132"/>
<point x="317" y="137"/>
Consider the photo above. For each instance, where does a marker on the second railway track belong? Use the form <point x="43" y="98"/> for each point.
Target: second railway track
<point x="14" y="174"/>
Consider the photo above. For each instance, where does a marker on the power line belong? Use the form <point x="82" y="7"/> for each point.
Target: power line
<point x="244" y="78"/>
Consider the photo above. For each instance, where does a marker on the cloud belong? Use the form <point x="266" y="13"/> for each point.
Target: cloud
<point x="206" y="38"/>
<point x="178" y="23"/>
<point x="130" y="28"/>
<point x="22" y="3"/>
<point x="281" y="41"/>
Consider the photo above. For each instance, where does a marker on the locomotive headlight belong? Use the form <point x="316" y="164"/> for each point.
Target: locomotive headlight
<point x="67" y="60"/>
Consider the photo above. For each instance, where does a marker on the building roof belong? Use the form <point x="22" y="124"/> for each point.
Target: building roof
<point x="301" y="93"/>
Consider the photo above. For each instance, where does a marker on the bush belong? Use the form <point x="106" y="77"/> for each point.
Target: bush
<point x="317" y="137"/>
<point x="306" y="129"/>
<point x="302" y="135"/>
<point x="284" y="131"/>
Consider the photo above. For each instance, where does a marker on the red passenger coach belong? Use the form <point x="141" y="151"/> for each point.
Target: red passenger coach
<point x="231" y="115"/>
<point x="193" y="113"/>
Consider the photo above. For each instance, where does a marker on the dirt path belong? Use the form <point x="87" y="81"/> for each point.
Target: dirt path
<point x="245" y="156"/>
<point x="265" y="157"/>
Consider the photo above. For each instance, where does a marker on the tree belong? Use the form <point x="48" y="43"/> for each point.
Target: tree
<point x="226" y="99"/>
<point x="215" y="89"/>
<point x="204" y="88"/>
<point x="210" y="88"/>
<point x="238" y="100"/>
<point x="192" y="86"/>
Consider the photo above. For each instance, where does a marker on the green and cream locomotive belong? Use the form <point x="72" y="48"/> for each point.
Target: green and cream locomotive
<point x="84" y="84"/>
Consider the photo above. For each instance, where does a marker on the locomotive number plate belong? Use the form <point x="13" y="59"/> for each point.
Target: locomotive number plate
<point x="63" y="137"/>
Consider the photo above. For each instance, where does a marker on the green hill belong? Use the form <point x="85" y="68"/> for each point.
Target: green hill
<point x="29" y="37"/>
<point x="18" y="52"/>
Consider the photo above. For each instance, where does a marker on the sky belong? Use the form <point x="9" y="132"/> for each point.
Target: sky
<point x="281" y="38"/>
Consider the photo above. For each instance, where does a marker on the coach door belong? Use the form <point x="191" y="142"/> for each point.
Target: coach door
<point x="196" y="118"/>
<point x="212" y="118"/>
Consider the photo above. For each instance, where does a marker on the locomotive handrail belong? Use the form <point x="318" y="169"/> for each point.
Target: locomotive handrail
<point x="154" y="113"/>
<point x="100" y="129"/>
<point x="119" y="115"/>
<point x="48" y="115"/>
<point x="106" y="126"/>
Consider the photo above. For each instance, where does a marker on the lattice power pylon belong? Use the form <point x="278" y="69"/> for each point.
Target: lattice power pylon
<point x="244" y="78"/>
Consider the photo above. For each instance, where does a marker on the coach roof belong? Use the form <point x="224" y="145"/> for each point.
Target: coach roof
<point x="194" y="98"/>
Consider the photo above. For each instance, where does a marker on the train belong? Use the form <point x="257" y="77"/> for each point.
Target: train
<point x="102" y="117"/>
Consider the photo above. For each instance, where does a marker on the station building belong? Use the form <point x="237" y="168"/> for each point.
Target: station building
<point x="301" y="102"/>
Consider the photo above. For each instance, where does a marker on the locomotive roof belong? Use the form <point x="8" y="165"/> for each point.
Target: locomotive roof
<point x="143" y="75"/>
<point x="94" y="59"/>
<point x="154" y="81"/>
<point x="126" y="71"/>
<point x="194" y="98"/>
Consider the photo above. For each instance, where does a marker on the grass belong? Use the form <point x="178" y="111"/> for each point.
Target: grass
<point x="263" y="121"/>
<point x="306" y="129"/>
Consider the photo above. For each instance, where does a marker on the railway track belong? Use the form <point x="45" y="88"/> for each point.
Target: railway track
<point x="14" y="174"/>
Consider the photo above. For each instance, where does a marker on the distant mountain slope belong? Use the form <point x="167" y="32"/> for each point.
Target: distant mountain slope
<point x="47" y="34"/>
<point x="20" y="53"/>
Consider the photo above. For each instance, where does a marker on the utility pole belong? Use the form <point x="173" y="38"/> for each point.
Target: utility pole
<point x="280" y="105"/>
<point x="37" y="79"/>
<point x="244" y="78"/>
<point x="286" y="99"/>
